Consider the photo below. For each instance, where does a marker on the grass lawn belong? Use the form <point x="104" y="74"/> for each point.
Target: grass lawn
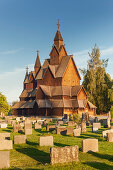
<point x="31" y="156"/>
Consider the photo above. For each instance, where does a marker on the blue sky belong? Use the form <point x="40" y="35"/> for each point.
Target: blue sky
<point x="30" y="25"/>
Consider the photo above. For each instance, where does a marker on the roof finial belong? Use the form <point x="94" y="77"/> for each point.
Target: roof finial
<point x="37" y="52"/>
<point x="27" y="70"/>
<point x="58" y="24"/>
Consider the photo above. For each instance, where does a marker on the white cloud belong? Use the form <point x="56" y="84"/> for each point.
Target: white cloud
<point x="11" y="51"/>
<point x="107" y="51"/>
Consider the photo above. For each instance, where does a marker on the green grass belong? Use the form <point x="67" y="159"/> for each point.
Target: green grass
<point x="31" y="156"/>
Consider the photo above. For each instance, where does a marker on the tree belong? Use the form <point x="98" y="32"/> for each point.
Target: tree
<point x="4" y="106"/>
<point x="96" y="81"/>
<point x="14" y="102"/>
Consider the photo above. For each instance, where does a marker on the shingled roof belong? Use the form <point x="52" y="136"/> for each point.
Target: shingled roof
<point x="61" y="90"/>
<point x="43" y="69"/>
<point x="18" y="105"/>
<point x="27" y="93"/>
<point x="28" y="104"/>
<point x="58" y="36"/>
<point x="26" y="80"/>
<point x="63" y="65"/>
<point x="37" y="63"/>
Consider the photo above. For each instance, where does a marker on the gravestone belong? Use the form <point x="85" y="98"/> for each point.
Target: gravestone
<point x="20" y="139"/>
<point x="46" y="141"/>
<point x="61" y="130"/>
<point x="110" y="137"/>
<point x="51" y="127"/>
<point x="64" y="154"/>
<point x="83" y="127"/>
<point x="69" y="131"/>
<point x="77" y="132"/>
<point x="3" y="125"/>
<point x="15" y="128"/>
<point x="38" y="126"/>
<point x="18" y="119"/>
<point x="71" y="123"/>
<point x="28" y="125"/>
<point x="28" y="131"/>
<point x="90" y="145"/>
<point x="28" y="128"/>
<point x="104" y="133"/>
<point x="4" y="136"/>
<point x="96" y="126"/>
<point x="6" y="144"/>
<point x="60" y="122"/>
<point x="4" y="159"/>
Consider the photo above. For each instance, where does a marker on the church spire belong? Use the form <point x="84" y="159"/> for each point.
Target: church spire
<point x="58" y="40"/>
<point x="37" y="63"/>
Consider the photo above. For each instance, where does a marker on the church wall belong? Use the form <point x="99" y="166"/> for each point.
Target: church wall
<point x="58" y="43"/>
<point x="71" y="77"/>
<point x="49" y="80"/>
<point x="57" y="112"/>
<point x="54" y="59"/>
<point x="61" y="54"/>
<point x="81" y="95"/>
<point x="40" y="94"/>
<point x="70" y="111"/>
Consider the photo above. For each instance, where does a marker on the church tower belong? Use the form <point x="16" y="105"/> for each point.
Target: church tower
<point x="58" y="40"/>
<point x="37" y="64"/>
<point x="58" y="50"/>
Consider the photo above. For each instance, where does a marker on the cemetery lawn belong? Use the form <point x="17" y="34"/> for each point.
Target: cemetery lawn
<point x="31" y="156"/>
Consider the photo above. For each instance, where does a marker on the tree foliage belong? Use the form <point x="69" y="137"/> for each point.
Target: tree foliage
<point x="4" y="106"/>
<point x="97" y="82"/>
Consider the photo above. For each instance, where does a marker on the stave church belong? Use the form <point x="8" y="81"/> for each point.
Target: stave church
<point x="53" y="89"/>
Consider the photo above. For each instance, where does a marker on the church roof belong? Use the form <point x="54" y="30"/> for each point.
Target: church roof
<point x="61" y="90"/>
<point x="37" y="63"/>
<point x="58" y="36"/>
<point x="43" y="69"/>
<point x="18" y="105"/>
<point x="26" y="81"/>
<point x="63" y="65"/>
<point x="63" y="103"/>
<point x="25" y="93"/>
<point x="28" y="104"/>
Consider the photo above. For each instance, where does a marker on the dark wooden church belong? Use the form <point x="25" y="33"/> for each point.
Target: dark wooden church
<point x="54" y="89"/>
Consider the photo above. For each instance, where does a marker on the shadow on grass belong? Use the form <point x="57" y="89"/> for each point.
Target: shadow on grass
<point x="6" y="130"/>
<point x="60" y="144"/>
<point x="99" y="165"/>
<point x="36" y="154"/>
<point x="102" y="156"/>
<point x="39" y="131"/>
<point x="21" y="132"/>
<point x="31" y="143"/>
<point x="84" y="136"/>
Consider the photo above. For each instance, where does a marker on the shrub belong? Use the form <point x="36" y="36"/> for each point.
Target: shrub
<point x="111" y="111"/>
<point x="75" y="118"/>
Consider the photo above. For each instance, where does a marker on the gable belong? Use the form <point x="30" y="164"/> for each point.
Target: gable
<point x="31" y="78"/>
<point x="48" y="78"/>
<point x="71" y="76"/>
<point x="40" y="94"/>
<point x="54" y="60"/>
<point x="62" y="53"/>
<point x="81" y="95"/>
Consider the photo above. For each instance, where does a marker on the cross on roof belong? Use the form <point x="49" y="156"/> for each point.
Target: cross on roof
<point x="27" y="69"/>
<point x="58" y="24"/>
<point x="37" y="52"/>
